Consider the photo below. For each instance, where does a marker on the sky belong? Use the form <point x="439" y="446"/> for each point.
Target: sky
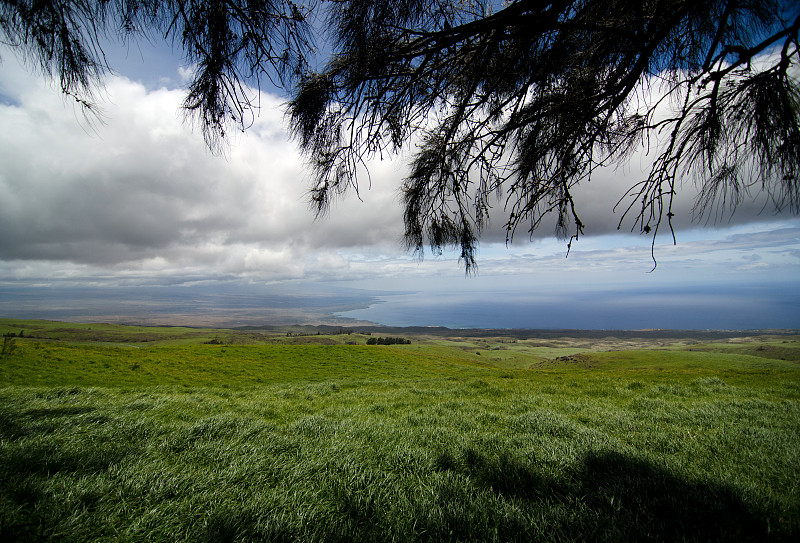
<point x="99" y="216"/>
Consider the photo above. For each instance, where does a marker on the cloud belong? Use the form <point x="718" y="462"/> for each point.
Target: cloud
<point x="142" y="188"/>
<point x="138" y="196"/>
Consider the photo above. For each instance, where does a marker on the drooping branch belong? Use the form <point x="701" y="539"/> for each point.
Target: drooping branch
<point x="527" y="102"/>
<point x="231" y="44"/>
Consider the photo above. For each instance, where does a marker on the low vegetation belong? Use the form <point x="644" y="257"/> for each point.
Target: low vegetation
<point x="177" y="439"/>
<point x="388" y="341"/>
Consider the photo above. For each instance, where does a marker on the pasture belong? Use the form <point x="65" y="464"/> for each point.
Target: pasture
<point x="112" y="433"/>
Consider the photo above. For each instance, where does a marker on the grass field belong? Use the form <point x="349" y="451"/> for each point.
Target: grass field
<point x="112" y="433"/>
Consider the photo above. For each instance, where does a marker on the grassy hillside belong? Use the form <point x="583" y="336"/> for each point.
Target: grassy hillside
<point x="446" y="439"/>
<point x="54" y="364"/>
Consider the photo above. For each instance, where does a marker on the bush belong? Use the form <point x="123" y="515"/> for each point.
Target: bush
<point x="388" y="341"/>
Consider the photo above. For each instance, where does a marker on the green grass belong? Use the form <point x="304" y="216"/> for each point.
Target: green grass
<point x="100" y="332"/>
<point x="402" y="443"/>
<point x="55" y="364"/>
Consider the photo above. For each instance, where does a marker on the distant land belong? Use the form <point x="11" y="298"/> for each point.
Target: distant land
<point x="236" y="304"/>
<point x="530" y="333"/>
<point x="228" y="306"/>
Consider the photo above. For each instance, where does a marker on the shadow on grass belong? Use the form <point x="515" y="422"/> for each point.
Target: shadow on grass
<point x="607" y="496"/>
<point x="467" y="496"/>
<point x="29" y="509"/>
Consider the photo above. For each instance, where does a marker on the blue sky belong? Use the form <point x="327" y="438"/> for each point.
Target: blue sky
<point x="137" y="200"/>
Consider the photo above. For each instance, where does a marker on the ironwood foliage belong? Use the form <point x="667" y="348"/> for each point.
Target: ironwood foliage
<point x="231" y="44"/>
<point x="511" y="104"/>
<point x="521" y="102"/>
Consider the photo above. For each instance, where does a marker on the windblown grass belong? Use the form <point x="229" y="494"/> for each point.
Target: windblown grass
<point x="350" y="443"/>
<point x="57" y="364"/>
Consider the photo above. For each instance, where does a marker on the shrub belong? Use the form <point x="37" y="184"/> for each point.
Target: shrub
<point x="388" y="341"/>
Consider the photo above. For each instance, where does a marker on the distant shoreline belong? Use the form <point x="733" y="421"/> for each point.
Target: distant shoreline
<point x="371" y="328"/>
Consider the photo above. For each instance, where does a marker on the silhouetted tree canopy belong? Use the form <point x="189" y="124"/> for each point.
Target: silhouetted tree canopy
<point x="511" y="104"/>
<point x="527" y="99"/>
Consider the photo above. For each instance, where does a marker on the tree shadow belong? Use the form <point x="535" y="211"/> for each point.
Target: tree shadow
<point x="605" y="496"/>
<point x="469" y="495"/>
<point x="610" y="496"/>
